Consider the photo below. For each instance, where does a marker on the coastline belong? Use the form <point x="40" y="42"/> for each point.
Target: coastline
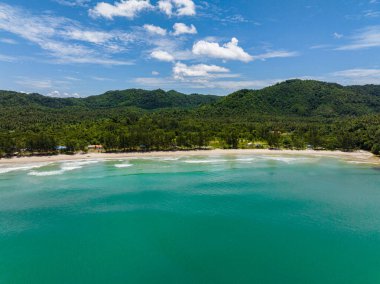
<point x="360" y="157"/>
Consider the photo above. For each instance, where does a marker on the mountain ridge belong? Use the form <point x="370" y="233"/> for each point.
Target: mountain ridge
<point x="303" y="98"/>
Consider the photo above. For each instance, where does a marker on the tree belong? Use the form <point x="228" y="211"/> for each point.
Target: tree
<point x="376" y="149"/>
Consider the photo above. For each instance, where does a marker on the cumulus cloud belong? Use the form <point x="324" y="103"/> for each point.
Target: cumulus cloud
<point x="181" y="28"/>
<point x="228" y="51"/>
<point x="155" y="30"/>
<point x="364" y="39"/>
<point x="125" y="8"/>
<point x="181" y="70"/>
<point x="162" y="56"/>
<point x="177" y="7"/>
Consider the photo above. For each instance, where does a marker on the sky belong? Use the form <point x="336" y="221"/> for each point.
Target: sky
<point x="78" y="48"/>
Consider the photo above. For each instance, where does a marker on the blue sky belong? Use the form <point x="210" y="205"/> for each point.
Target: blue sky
<point x="86" y="47"/>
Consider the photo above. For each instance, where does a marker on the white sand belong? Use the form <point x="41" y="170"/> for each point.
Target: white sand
<point x="358" y="157"/>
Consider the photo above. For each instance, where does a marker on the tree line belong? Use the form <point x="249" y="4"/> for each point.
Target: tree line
<point x="164" y="132"/>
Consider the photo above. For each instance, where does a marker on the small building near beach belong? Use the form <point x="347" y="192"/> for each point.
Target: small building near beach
<point x="61" y="148"/>
<point x="95" y="147"/>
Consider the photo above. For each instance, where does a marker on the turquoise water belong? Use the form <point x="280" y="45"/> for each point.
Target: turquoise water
<point x="216" y="219"/>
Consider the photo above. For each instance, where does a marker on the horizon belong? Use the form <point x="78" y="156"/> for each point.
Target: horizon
<point x="78" y="48"/>
<point x="187" y="94"/>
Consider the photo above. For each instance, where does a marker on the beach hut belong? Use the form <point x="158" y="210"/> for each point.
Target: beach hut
<point x="95" y="147"/>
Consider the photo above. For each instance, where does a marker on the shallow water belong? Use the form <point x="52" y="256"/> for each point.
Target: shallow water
<point x="214" y="219"/>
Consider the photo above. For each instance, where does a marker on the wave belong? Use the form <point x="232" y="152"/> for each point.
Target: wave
<point x="65" y="167"/>
<point x="157" y="158"/>
<point x="287" y="160"/>
<point x="22" y="168"/>
<point x="211" y="161"/>
<point x="245" y="159"/>
<point x="125" y="165"/>
<point x="75" y="165"/>
<point x="47" y="173"/>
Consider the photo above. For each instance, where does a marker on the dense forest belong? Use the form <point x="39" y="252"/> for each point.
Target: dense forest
<point x="295" y="114"/>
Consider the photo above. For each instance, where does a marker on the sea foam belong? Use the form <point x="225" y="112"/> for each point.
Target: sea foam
<point x="210" y="161"/>
<point x="125" y="165"/>
<point x="64" y="167"/>
<point x="4" y="170"/>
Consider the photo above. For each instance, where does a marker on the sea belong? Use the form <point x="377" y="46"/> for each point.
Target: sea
<point x="192" y="219"/>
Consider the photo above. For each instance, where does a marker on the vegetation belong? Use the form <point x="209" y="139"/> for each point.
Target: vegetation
<point x="294" y="114"/>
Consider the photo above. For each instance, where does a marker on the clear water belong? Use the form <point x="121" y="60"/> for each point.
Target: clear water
<point x="216" y="219"/>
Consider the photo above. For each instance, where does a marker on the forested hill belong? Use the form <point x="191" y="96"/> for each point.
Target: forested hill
<point x="149" y="100"/>
<point x="301" y="98"/>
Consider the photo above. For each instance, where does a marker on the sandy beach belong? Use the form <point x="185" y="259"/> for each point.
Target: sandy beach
<point x="358" y="156"/>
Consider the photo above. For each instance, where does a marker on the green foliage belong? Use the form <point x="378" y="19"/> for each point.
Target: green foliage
<point x="294" y="115"/>
<point x="298" y="98"/>
<point x="376" y="149"/>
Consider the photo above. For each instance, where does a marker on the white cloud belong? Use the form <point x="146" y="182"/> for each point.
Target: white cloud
<point x="337" y="35"/>
<point x="58" y="94"/>
<point x="88" y="36"/>
<point x="35" y="84"/>
<point x="206" y="83"/>
<point x="181" y="28"/>
<point x="73" y="3"/>
<point x="229" y="51"/>
<point x="366" y="38"/>
<point x="162" y="56"/>
<point x="7" y="58"/>
<point x="358" y="73"/>
<point x="275" y="54"/>
<point x="238" y="85"/>
<point x="372" y="14"/>
<point x="124" y="8"/>
<point x="173" y="46"/>
<point x="54" y="35"/>
<point x="155" y="73"/>
<point x="101" y="79"/>
<point x="8" y="41"/>
<point x="357" y="76"/>
<point x="181" y="70"/>
<point x="166" y="7"/>
<point x="154" y="82"/>
<point x="155" y="29"/>
<point x="177" y="7"/>
<point x="320" y="46"/>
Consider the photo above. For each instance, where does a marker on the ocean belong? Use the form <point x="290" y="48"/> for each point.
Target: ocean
<point x="205" y="219"/>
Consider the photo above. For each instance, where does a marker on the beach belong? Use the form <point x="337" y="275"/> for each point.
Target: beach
<point x="356" y="157"/>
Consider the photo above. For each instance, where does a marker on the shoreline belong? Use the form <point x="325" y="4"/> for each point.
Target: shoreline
<point x="358" y="156"/>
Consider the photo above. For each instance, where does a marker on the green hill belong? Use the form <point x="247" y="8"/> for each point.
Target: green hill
<point x="302" y="99"/>
<point x="143" y="99"/>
